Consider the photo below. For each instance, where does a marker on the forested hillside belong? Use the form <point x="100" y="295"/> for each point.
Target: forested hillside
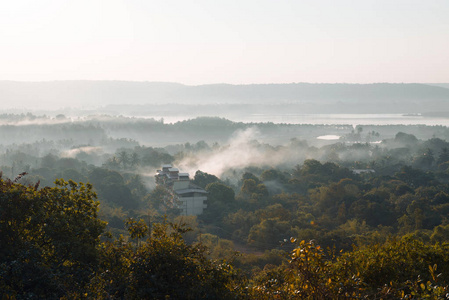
<point x="363" y="216"/>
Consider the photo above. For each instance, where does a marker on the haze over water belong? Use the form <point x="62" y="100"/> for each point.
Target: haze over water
<point x="328" y="119"/>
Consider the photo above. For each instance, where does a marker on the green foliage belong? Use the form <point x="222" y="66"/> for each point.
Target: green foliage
<point x="396" y="263"/>
<point x="415" y="177"/>
<point x="273" y="175"/>
<point x="160" y="197"/>
<point x="309" y="276"/>
<point x="48" y="238"/>
<point x="137" y="229"/>
<point x="268" y="232"/>
<point x="406" y="139"/>
<point x="220" y="201"/>
<point x="163" y="267"/>
<point x="219" y="192"/>
<point x="112" y="188"/>
<point x="252" y="190"/>
<point x="404" y="269"/>
<point x="148" y="157"/>
<point x="111" y="281"/>
<point x="51" y="250"/>
<point x="396" y="213"/>
<point x="202" y="179"/>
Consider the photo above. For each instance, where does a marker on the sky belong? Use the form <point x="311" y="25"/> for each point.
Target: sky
<point x="238" y="42"/>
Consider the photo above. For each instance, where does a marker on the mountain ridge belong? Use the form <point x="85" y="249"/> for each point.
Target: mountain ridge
<point x="57" y="94"/>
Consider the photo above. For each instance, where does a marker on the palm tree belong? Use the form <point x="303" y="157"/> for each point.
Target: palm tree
<point x="135" y="160"/>
<point x="123" y="159"/>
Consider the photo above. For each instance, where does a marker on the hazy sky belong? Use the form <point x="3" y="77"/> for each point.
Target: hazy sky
<point x="241" y="42"/>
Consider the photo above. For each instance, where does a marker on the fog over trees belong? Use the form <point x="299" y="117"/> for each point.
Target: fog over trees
<point x="224" y="150"/>
<point x="294" y="210"/>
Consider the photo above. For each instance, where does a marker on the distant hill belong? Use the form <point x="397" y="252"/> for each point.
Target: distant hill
<point x="339" y="98"/>
<point x="444" y="85"/>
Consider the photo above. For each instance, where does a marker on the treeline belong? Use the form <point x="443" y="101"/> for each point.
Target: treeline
<point x="124" y="179"/>
<point x="54" y="247"/>
<point x="373" y="218"/>
<point x="98" y="130"/>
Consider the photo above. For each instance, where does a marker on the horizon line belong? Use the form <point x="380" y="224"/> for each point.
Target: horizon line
<point x="203" y="84"/>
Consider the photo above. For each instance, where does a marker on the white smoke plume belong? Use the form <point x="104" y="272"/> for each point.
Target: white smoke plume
<point x="242" y="150"/>
<point x="72" y="153"/>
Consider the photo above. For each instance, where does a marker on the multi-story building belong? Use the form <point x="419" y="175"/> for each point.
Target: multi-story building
<point x="191" y="199"/>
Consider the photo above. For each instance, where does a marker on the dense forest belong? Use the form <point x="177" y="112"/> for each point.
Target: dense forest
<point x="288" y="216"/>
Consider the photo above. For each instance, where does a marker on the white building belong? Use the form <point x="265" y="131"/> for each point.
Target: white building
<point x="191" y="199"/>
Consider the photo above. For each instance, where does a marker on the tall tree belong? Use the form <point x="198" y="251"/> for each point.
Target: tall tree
<point x="49" y="238"/>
